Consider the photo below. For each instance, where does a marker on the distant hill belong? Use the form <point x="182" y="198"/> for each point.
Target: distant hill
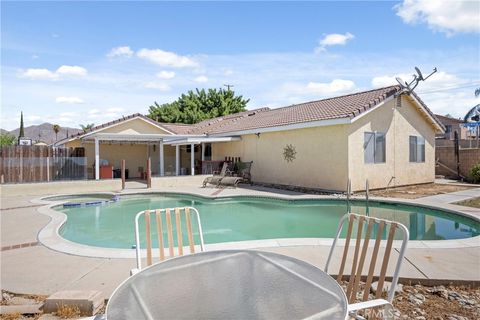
<point x="44" y="132"/>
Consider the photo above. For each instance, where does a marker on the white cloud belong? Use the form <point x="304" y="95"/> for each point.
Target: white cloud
<point x="333" y="39"/>
<point x="120" y="52"/>
<point x="45" y="74"/>
<point x="166" y="58"/>
<point x="439" y="80"/>
<point x="158" y="86"/>
<point x="449" y="17"/>
<point x="69" y="100"/>
<point x="39" y="74"/>
<point x="71" y="71"/>
<point x="335" y="86"/>
<point x="166" y="74"/>
<point x="201" y="79"/>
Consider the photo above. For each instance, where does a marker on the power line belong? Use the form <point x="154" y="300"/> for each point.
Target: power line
<point x="449" y="88"/>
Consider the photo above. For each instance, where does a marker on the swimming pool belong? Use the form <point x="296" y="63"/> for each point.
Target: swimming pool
<point x="253" y="218"/>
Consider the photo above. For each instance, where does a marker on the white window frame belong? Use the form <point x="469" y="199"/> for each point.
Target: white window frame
<point x="376" y="135"/>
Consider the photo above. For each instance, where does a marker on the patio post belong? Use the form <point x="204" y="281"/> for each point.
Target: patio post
<point x="203" y="151"/>
<point x="192" y="158"/>
<point x="162" y="162"/>
<point x="177" y="160"/>
<point x="97" y="159"/>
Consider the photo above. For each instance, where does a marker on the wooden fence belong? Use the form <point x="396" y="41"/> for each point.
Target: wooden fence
<point x="19" y="164"/>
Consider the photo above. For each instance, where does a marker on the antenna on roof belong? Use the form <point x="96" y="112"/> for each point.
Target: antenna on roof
<point x="409" y="87"/>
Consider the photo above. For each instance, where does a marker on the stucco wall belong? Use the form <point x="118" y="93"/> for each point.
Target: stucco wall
<point x="398" y="124"/>
<point x="321" y="158"/>
<point x="135" y="126"/>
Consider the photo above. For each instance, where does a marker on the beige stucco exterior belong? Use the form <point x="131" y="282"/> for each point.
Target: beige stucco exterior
<point x="399" y="123"/>
<point x="328" y="156"/>
<point x="321" y="156"/>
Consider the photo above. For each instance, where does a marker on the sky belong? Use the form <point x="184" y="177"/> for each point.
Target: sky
<point x="73" y="63"/>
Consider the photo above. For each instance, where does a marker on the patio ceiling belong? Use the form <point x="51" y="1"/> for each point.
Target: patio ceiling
<point x="198" y="140"/>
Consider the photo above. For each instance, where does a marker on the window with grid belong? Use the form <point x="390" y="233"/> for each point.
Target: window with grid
<point x="374" y="147"/>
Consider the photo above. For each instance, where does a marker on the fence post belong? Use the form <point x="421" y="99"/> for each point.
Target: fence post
<point x="48" y="165"/>
<point x="149" y="173"/>
<point x="123" y="173"/>
<point x="20" y="176"/>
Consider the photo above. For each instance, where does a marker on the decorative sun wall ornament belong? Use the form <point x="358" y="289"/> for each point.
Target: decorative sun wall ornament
<point x="289" y="153"/>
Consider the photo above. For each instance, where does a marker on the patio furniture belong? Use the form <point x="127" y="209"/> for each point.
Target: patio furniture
<point x="157" y="214"/>
<point x="243" y="169"/>
<point x="231" y="284"/>
<point x="375" y="228"/>
<point x="217" y="176"/>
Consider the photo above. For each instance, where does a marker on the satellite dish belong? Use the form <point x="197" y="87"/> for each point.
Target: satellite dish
<point x="400" y="82"/>
<point x="420" y="76"/>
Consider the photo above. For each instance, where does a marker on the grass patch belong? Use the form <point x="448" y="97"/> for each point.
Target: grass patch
<point x="475" y="203"/>
<point x="67" y="311"/>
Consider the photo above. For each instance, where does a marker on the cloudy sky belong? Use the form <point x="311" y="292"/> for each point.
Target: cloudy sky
<point x="92" y="62"/>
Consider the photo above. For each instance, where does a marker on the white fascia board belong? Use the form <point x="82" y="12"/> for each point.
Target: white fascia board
<point x="202" y="140"/>
<point x="420" y="106"/>
<point x="133" y="137"/>
<point x="302" y="125"/>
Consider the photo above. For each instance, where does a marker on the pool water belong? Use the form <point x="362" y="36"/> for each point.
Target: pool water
<point x="250" y="218"/>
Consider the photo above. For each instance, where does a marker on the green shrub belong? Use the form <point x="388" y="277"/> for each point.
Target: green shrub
<point x="475" y="173"/>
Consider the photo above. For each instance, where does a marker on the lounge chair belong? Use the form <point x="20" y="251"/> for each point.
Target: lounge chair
<point x="243" y="169"/>
<point x="217" y="178"/>
<point x="358" y="295"/>
<point x="230" y="181"/>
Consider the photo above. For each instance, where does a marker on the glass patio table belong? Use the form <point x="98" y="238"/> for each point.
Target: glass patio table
<point x="231" y="284"/>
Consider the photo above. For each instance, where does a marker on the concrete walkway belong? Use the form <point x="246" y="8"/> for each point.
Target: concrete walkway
<point x="29" y="267"/>
<point x="453" y="197"/>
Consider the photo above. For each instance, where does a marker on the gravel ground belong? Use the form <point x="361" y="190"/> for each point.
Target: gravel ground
<point x="418" y="191"/>
<point x="415" y="302"/>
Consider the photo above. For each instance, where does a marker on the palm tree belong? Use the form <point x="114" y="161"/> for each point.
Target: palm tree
<point x="56" y="129"/>
<point x="86" y="127"/>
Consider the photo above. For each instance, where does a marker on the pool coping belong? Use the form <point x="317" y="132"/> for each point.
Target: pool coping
<point x="49" y="235"/>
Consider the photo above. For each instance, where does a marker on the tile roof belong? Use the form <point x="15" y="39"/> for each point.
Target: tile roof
<point x="347" y="106"/>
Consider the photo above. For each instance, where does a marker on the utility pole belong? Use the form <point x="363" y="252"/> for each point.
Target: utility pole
<point x="228" y="86"/>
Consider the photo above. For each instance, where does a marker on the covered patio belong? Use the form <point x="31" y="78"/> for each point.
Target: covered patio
<point x="170" y="154"/>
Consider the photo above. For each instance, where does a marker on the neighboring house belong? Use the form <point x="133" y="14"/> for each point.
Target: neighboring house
<point x="451" y="125"/>
<point x="379" y="135"/>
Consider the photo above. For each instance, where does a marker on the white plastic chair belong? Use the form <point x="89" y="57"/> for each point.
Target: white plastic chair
<point x="167" y="212"/>
<point x="359" y="259"/>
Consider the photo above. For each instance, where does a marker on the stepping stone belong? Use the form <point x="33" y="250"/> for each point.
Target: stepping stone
<point x="22" y="309"/>
<point x="89" y="302"/>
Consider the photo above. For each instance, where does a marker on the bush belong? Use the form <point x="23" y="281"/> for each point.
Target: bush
<point x="475" y="173"/>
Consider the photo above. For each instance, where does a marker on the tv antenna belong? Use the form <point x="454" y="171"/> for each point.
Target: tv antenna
<point x="409" y="87"/>
<point x="228" y="86"/>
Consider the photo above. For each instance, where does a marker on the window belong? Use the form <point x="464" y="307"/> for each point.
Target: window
<point x="417" y="149"/>
<point x="374" y="146"/>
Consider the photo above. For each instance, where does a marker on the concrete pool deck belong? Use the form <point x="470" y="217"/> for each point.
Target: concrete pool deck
<point x="27" y="266"/>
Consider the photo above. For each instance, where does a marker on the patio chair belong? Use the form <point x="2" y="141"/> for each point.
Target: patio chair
<point x="243" y="169"/>
<point x="169" y="230"/>
<point x="353" y="290"/>
<point x="217" y="177"/>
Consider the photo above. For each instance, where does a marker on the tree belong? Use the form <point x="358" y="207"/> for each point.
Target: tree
<point x="56" y="129"/>
<point x="86" y="127"/>
<point x="198" y="105"/>
<point x="6" y="139"/>
<point x="477" y="92"/>
<point x="21" y="133"/>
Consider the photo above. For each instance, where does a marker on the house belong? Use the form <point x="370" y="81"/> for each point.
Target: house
<point x="451" y="125"/>
<point x="383" y="135"/>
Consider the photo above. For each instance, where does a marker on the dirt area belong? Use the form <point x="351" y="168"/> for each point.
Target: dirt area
<point x="475" y="203"/>
<point x="418" y="191"/>
<point x="412" y="302"/>
<point x="438" y="303"/>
